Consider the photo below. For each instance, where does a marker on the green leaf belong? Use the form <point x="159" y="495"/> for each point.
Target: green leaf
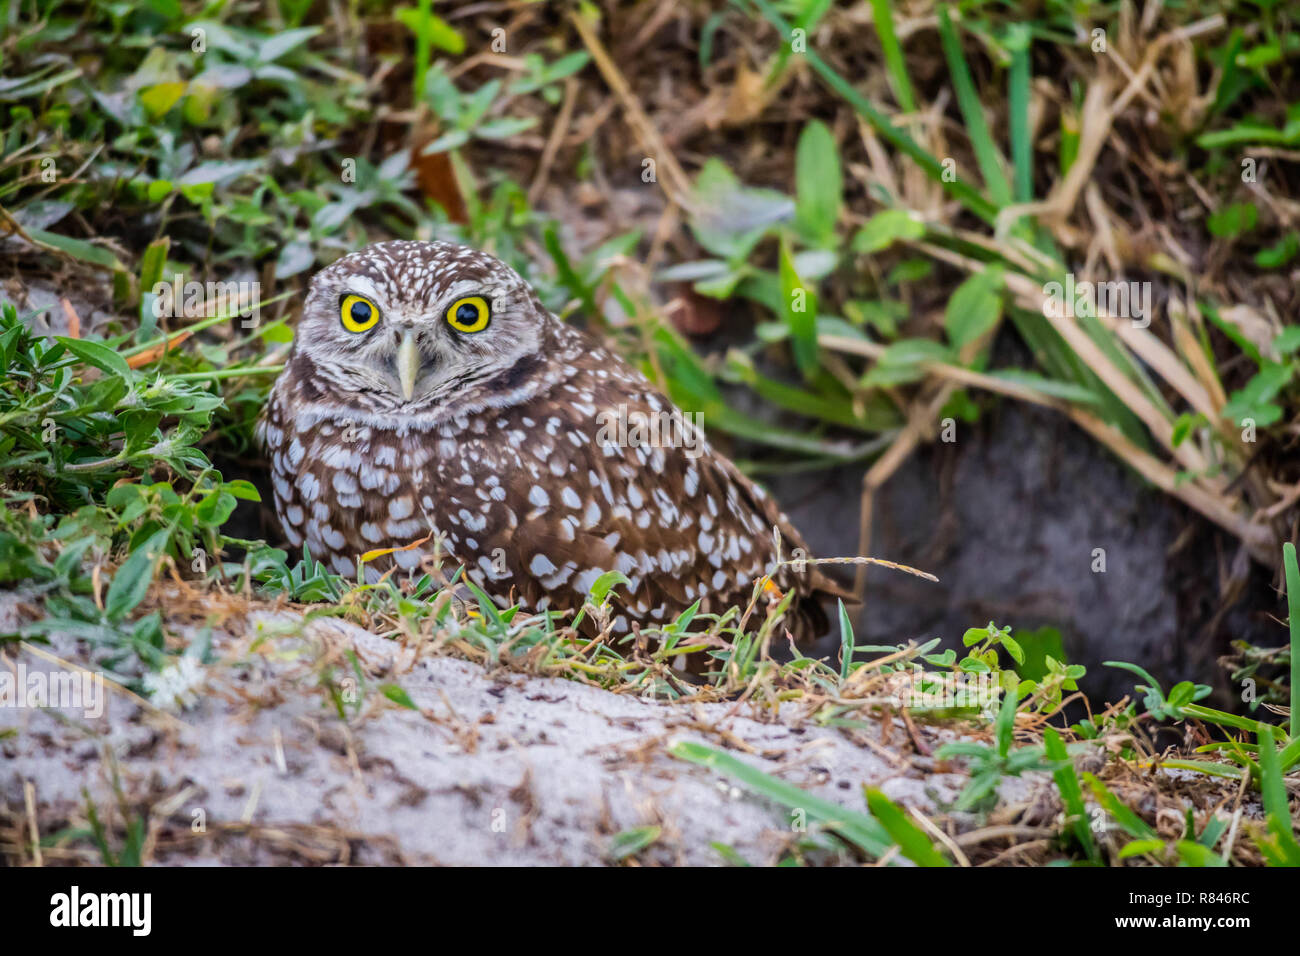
<point x="1069" y="391"/>
<point x="858" y="828"/>
<point x="819" y="183"/>
<point x="132" y="580"/>
<point x="1134" y="825"/>
<point x="1232" y="220"/>
<point x="505" y="127"/>
<point x="975" y="307"/>
<point x="1254" y="400"/>
<point x="1141" y="847"/>
<point x="282" y="42"/>
<point x="1183" y="426"/>
<point x="956" y="186"/>
<point x="215" y="507"/>
<point x="1266" y="54"/>
<point x="631" y="842"/>
<point x="846" y="643"/>
<point x="216" y="172"/>
<point x="972" y="110"/>
<point x="728" y="853"/>
<point x="78" y="249"/>
<point x="452" y="139"/>
<point x="398" y="696"/>
<point x="160" y="98"/>
<point x="885" y="228"/>
<point x="97" y="355"/>
<point x="1293" y="621"/>
<point x="154" y="261"/>
<point x="604" y="584"/>
<point x="1004" y="726"/>
<point x="910" y="270"/>
<point x="1279" y="254"/>
<point x="729" y="219"/>
<point x="911" y="839"/>
<point x="245" y="490"/>
<point x="438" y="31"/>
<point x="902" y="361"/>
<point x="1276" y="804"/>
<point x="889" y="45"/>
<point x="1019" y="39"/>
<point x="1067" y="782"/>
<point x="1288" y="340"/>
<point x="1194" y="854"/>
<point x="1014" y="650"/>
<point x="800" y="306"/>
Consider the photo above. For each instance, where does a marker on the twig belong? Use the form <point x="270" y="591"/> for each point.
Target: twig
<point x="672" y="178"/>
<point x="553" y="142"/>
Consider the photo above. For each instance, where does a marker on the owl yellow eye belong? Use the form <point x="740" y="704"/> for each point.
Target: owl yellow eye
<point x="469" y="315"/>
<point x="358" y="313"/>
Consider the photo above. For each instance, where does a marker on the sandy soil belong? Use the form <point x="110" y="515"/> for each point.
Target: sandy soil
<point x="495" y="767"/>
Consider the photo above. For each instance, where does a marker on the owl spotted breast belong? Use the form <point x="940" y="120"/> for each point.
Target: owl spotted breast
<point x="431" y="398"/>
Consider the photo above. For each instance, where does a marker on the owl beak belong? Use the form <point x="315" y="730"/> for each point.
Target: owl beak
<point x="408" y="365"/>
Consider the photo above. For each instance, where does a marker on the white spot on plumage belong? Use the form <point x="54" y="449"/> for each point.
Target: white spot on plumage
<point x="583" y="582"/>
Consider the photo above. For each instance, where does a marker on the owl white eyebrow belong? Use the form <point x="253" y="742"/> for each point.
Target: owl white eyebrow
<point x="359" y="285"/>
<point x="488" y="290"/>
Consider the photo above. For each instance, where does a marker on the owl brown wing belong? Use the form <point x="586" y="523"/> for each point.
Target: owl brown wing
<point x="613" y="477"/>
<point x="811" y="580"/>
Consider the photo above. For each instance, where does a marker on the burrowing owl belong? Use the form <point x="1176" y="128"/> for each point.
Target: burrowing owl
<point x="431" y="397"/>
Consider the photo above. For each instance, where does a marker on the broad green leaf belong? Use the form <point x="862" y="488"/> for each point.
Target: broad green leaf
<point x="1141" y="847"/>
<point x="160" y="98"/>
<point x="132" y="580"/>
<point x="603" y="585"/>
<point x="974" y="307"/>
<point x="96" y="354"/>
<point x="729" y="219"/>
<point x="398" y="696"/>
<point x="1232" y="220"/>
<point x="78" y="249"/>
<point x="885" y="228"/>
<point x="819" y="183"/>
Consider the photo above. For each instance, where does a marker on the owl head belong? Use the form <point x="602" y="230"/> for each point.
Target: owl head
<point x="405" y="326"/>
